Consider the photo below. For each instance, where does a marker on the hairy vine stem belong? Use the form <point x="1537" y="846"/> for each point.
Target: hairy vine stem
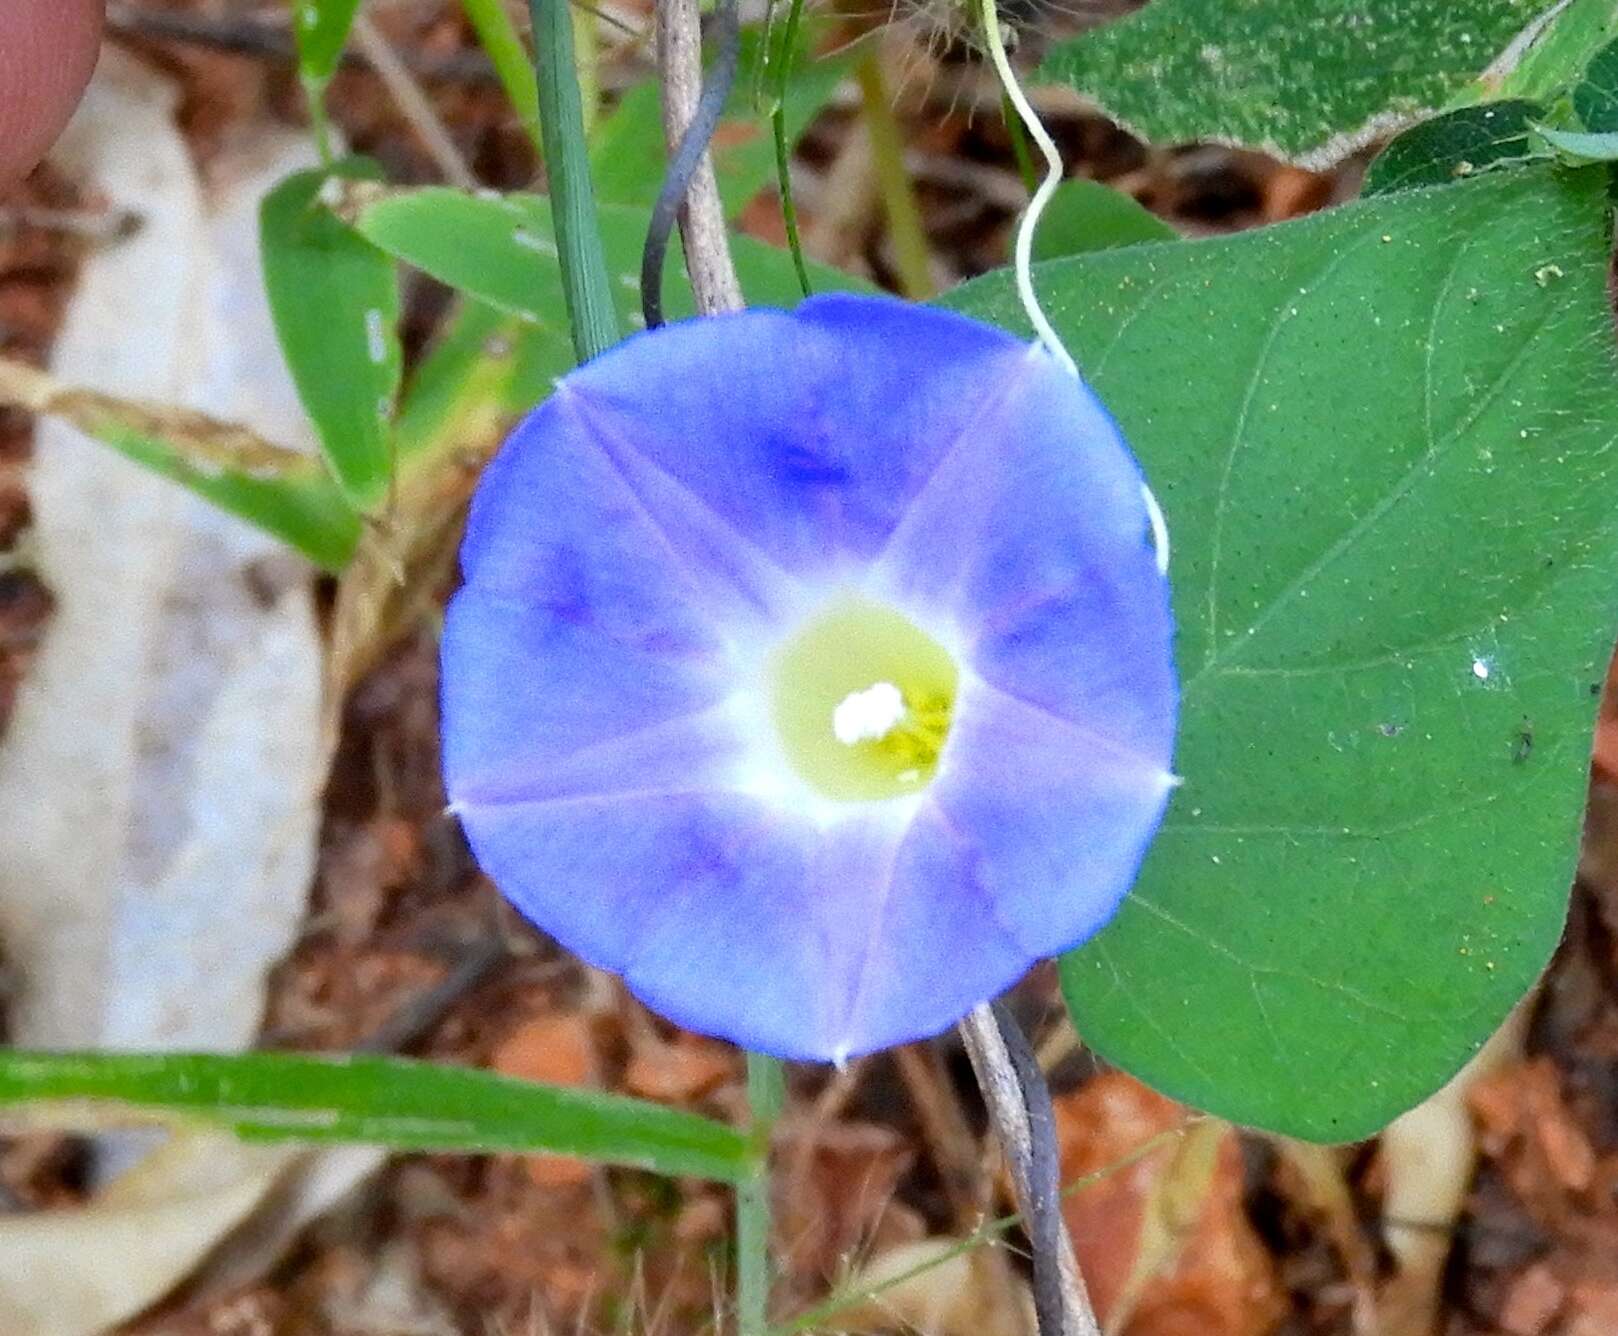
<point x="1020" y="1111"/>
<point x="691" y="111"/>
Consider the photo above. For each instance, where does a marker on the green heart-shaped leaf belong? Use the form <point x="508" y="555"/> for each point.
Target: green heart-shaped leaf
<point x="1384" y="440"/>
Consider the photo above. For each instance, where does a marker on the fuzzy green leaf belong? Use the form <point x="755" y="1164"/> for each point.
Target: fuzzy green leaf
<point x="1456" y="145"/>
<point x="1309" y="80"/>
<point x="1595" y="96"/>
<point x="1384" y="439"/>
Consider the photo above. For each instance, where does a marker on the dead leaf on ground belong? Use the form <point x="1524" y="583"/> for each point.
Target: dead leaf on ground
<point x="1526" y="1127"/>
<point x="1164" y="1241"/>
<point x="937" y="1287"/>
<point x="834" y="1204"/>
<point x="160" y="781"/>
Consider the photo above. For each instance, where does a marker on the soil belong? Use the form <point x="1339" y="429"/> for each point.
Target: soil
<point x="408" y="948"/>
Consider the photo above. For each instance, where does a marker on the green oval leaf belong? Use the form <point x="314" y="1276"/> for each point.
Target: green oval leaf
<point x="1085" y="216"/>
<point x="1384" y="440"/>
<point x="1309" y="80"/>
<point x="322" y="28"/>
<point x="385" y="1101"/>
<point x="1456" y="145"/>
<point x="502" y="250"/>
<point x="335" y="301"/>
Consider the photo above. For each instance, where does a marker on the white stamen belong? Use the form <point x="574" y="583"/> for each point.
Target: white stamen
<point x="866" y="716"/>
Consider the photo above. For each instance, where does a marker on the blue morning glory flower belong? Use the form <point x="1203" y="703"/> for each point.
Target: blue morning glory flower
<point x="812" y="671"/>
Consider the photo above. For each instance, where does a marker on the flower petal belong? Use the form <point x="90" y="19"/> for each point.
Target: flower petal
<point x="676" y="510"/>
<point x="1057" y="816"/>
<point x="731" y="917"/>
<point x="822" y="426"/>
<point x="531" y="691"/>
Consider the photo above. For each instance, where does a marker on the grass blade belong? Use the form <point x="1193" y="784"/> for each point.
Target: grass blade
<point x="385" y="1101"/>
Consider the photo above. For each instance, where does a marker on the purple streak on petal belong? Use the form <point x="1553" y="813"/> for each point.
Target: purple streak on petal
<point x="557" y="522"/>
<point x="807" y="433"/>
<point x="1059" y="816"/>
<point x="671" y="501"/>
<point x="526" y="689"/>
<point x="1032" y="538"/>
<point x="617" y="880"/>
<point x="935" y="946"/>
<point x="732" y="918"/>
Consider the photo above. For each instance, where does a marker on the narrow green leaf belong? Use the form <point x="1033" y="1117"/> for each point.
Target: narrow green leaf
<point x="287" y="494"/>
<point x="1580" y="146"/>
<point x="1086" y="216"/>
<point x="335" y="301"/>
<point x="1456" y="145"/>
<point x="628" y="158"/>
<point x="322" y="28"/>
<point x="1308" y="80"/>
<point x="486" y="364"/>
<point x="502" y="251"/>
<point x="385" y="1101"/>
<point x="1384" y="440"/>
<point x="586" y="288"/>
<point x="512" y="64"/>
<point x="301" y="505"/>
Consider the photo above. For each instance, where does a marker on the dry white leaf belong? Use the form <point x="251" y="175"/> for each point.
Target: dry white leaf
<point x="160" y="780"/>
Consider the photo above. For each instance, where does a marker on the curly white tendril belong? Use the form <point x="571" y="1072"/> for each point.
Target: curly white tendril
<point x="1028" y="224"/>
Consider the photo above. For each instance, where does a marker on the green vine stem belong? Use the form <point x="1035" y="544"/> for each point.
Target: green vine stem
<point x="314" y="92"/>
<point x="1019" y="144"/>
<point x="498" y="36"/>
<point x="898" y="197"/>
<point x="766" y="1090"/>
<point x="585" y="285"/>
<point x="783" y="150"/>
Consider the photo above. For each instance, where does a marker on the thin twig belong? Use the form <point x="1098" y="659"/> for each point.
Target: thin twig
<point x="238" y="35"/>
<point x="702" y="219"/>
<point x="949" y="1139"/>
<point x="413" y="102"/>
<point x="1006" y="1092"/>
<point x="912" y="257"/>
